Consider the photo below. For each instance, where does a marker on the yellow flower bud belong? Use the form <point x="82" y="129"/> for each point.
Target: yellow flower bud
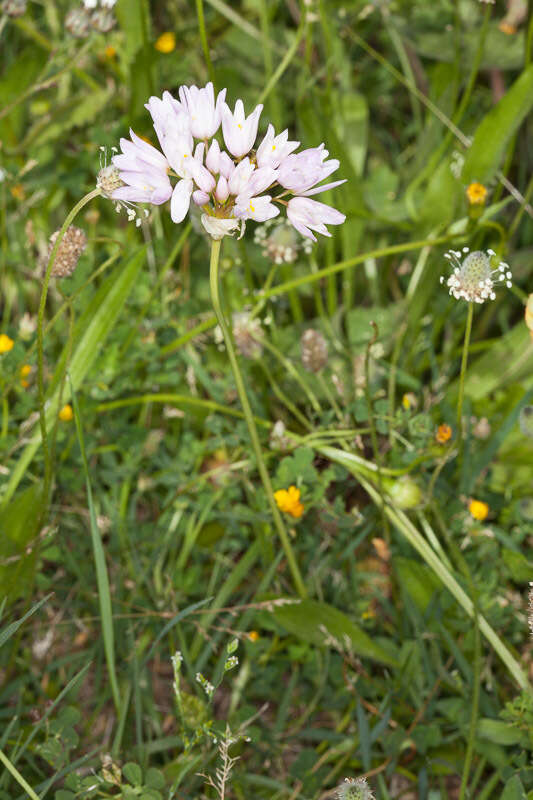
<point x="478" y="509"/>
<point x="66" y="413"/>
<point x="166" y="42"/>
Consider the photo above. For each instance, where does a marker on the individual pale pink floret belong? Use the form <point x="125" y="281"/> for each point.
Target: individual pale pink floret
<point x="239" y="131"/>
<point x="240" y="176"/>
<point x="260" y="180"/>
<point x="310" y="215"/>
<point x="204" y="113"/>
<point x="226" y="165"/>
<point x="257" y="208"/>
<point x="144" y="171"/>
<point x="274" y="149"/>
<point x="181" y="199"/>
<point x="300" y="171"/>
<point x="172" y="126"/>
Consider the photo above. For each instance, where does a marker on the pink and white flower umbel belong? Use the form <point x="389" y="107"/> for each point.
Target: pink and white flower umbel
<point x="225" y="176"/>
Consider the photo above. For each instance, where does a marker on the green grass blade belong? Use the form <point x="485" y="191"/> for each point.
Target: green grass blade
<point x="18" y="777"/>
<point x="102" y="579"/>
<point x="93" y="327"/>
<point x="497" y="129"/>
<point x="9" y="630"/>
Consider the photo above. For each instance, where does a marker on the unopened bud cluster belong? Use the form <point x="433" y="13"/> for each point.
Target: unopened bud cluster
<point x="280" y="242"/>
<point x="68" y="253"/>
<point x="92" y="15"/>
<point x="314" y="350"/>
<point x="248" y="333"/>
<point x="14" y="8"/>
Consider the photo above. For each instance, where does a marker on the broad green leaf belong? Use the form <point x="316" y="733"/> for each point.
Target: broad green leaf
<point x="132" y="772"/>
<point x="90" y="333"/>
<point x="81" y="110"/>
<point x="417" y="580"/>
<point x="514" y="789"/>
<point x="513" y="354"/>
<point x="351" y="125"/>
<point x="313" y="622"/>
<point x="497" y="731"/>
<point x="520" y="568"/>
<point x="19" y="524"/>
<point x="497" y="128"/>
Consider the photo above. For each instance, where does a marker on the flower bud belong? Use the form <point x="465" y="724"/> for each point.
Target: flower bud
<point x="314" y="350"/>
<point x="68" y="253"/>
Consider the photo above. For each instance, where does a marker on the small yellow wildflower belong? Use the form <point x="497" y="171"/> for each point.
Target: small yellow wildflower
<point x="110" y="51"/>
<point x="409" y="401"/>
<point x="288" y="500"/>
<point x="18" y="191"/>
<point x="24" y="372"/>
<point x="253" y="636"/>
<point x="507" y="28"/>
<point x="66" y="413"/>
<point x="444" y="433"/>
<point x="476" y="194"/>
<point x="166" y="42"/>
<point x="6" y="343"/>
<point x="478" y="509"/>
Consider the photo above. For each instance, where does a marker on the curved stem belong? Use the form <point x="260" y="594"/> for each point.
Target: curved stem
<point x="254" y="437"/>
<point x="464" y="362"/>
<point x="40" y="349"/>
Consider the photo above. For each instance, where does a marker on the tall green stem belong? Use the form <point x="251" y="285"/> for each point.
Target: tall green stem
<point x="203" y="38"/>
<point x="464" y="362"/>
<point x="40" y="348"/>
<point x="256" y="444"/>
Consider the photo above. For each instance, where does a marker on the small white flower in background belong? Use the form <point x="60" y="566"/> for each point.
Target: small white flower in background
<point x="280" y="242"/>
<point x="248" y="334"/>
<point x="205" y="684"/>
<point x="354" y="789"/>
<point x="474" y="278"/>
<point x="14" y="8"/>
<point x="233" y="187"/>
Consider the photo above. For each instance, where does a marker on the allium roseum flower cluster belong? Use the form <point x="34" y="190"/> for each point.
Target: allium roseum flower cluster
<point x="227" y="177"/>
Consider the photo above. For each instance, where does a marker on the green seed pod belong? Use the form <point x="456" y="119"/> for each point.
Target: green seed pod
<point x="405" y="493"/>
